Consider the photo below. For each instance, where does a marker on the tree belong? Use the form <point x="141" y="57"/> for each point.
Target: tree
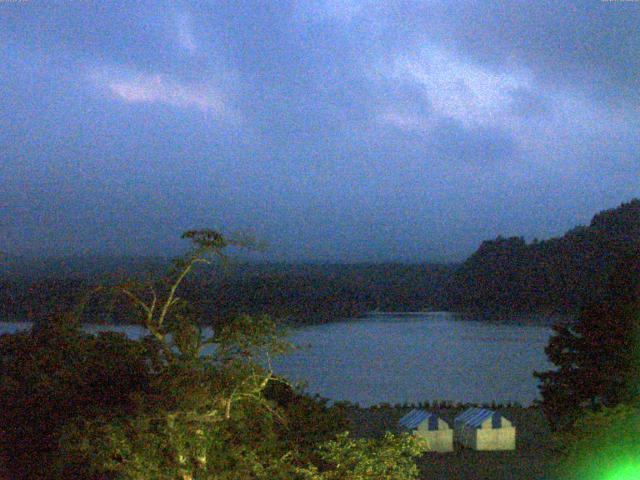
<point x="54" y="373"/>
<point x="205" y="393"/>
<point x="597" y="356"/>
<point x="558" y="275"/>
<point x="391" y="457"/>
<point x="211" y="410"/>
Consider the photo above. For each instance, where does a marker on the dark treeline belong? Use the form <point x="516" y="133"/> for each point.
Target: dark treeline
<point x="505" y="275"/>
<point x="552" y="276"/>
<point x="319" y="293"/>
<point x="309" y="293"/>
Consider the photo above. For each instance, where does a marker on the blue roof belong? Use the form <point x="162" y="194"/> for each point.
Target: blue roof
<point x="415" y="417"/>
<point x="475" y="416"/>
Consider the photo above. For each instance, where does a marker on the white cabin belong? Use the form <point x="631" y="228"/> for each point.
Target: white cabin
<point x="427" y="426"/>
<point x="483" y="429"/>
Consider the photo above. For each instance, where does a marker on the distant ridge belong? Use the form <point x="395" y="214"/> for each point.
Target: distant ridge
<point x="505" y="277"/>
<point x="551" y="276"/>
<point x="79" y="266"/>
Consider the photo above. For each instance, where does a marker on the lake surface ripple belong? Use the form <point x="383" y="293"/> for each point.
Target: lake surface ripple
<point x="408" y="359"/>
<point x="415" y="359"/>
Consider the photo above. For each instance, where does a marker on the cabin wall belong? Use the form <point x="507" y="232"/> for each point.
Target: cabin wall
<point x="487" y="439"/>
<point x="436" y="440"/>
<point x="496" y="438"/>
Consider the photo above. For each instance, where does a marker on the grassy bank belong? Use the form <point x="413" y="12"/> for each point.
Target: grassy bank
<point x="533" y="458"/>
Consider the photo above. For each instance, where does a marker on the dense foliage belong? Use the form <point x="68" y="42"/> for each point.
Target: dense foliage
<point x="598" y="356"/>
<point x="299" y="293"/>
<point x="504" y="275"/>
<point x="557" y="275"/>
<point x="52" y="374"/>
<point x="359" y="459"/>
<point x="182" y="403"/>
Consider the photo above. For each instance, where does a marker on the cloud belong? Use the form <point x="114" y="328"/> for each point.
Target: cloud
<point x="163" y="89"/>
<point x="406" y="121"/>
<point x="454" y="106"/>
<point x="433" y="87"/>
<point x="470" y="93"/>
<point x="332" y="10"/>
<point x="184" y="33"/>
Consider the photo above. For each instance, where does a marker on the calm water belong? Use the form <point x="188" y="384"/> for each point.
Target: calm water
<point x="411" y="359"/>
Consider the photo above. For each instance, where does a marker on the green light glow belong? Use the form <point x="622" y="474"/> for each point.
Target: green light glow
<point x="627" y="471"/>
<point x="604" y="445"/>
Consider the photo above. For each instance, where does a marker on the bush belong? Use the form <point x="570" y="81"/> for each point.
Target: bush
<point x="305" y="421"/>
<point x="53" y="373"/>
<point x="345" y="458"/>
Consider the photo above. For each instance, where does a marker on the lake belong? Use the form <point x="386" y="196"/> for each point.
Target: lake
<point x="399" y="359"/>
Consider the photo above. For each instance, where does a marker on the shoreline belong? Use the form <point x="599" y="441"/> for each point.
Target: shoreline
<point x="536" y="319"/>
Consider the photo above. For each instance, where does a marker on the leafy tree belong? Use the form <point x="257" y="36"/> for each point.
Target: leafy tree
<point x="307" y="421"/>
<point x="53" y="373"/>
<point x="212" y="409"/>
<point x="199" y="402"/>
<point x="391" y="457"/>
<point x="597" y="357"/>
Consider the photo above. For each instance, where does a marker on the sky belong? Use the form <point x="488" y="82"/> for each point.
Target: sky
<point x="331" y="130"/>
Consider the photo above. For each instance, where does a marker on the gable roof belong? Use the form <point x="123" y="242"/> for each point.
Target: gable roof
<point x="474" y="417"/>
<point x="415" y="417"/>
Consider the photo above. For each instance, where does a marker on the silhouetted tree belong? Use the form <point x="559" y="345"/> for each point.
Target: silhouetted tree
<point x="53" y="373"/>
<point x="597" y="356"/>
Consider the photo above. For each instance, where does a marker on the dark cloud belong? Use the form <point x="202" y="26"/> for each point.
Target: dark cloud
<point x="347" y="130"/>
<point x="585" y="44"/>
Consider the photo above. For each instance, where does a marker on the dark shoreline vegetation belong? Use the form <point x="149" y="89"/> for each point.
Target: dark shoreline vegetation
<point x="503" y="279"/>
<point x="104" y="406"/>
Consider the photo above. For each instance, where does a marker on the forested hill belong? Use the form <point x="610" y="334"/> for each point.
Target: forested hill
<point x="555" y="275"/>
<point x="505" y="275"/>
<point x="301" y="293"/>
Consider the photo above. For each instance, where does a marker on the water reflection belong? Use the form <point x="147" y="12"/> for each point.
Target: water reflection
<point x="413" y="359"/>
<point x="407" y="359"/>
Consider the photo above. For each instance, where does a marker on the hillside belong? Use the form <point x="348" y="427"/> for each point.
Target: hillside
<point x="300" y="293"/>
<point x="505" y="275"/>
<point x="551" y="276"/>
